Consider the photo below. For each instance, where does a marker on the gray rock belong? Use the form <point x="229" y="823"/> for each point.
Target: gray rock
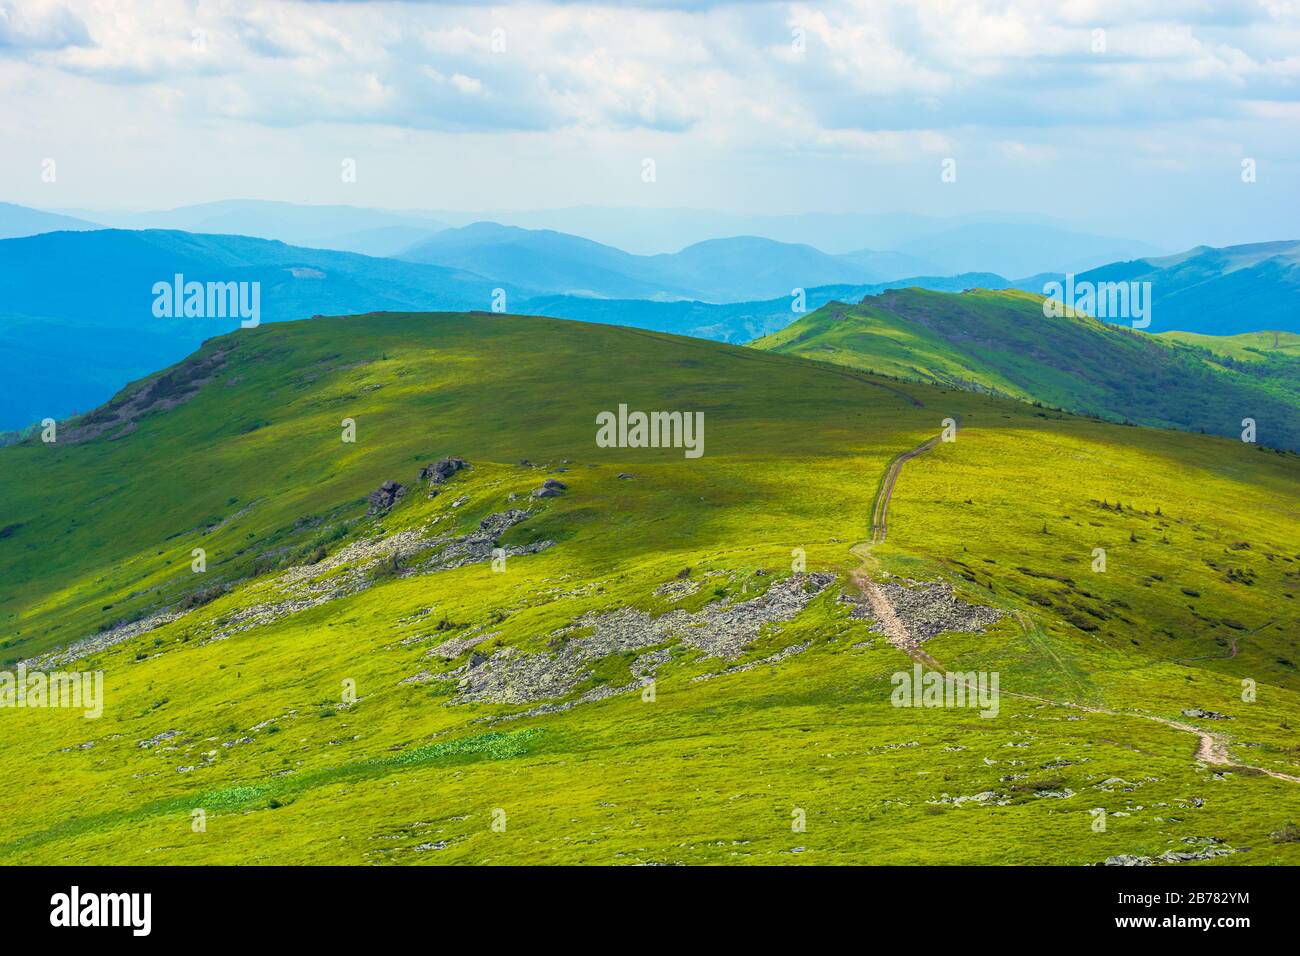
<point x="439" y="471"/>
<point x="550" y="489"/>
<point x="385" y="497"/>
<point x="1197" y="713"/>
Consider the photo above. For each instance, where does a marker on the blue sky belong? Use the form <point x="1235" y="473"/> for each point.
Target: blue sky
<point x="1127" y="118"/>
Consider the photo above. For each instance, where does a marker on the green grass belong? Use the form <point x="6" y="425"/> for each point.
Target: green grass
<point x="709" y="771"/>
<point x="1246" y="347"/>
<point x="1000" y="342"/>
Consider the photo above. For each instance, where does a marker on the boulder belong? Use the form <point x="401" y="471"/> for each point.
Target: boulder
<point x="439" y="471"/>
<point x="550" y="489"/>
<point x="385" y="497"/>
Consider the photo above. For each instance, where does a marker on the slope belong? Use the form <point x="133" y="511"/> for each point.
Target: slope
<point x="671" y="664"/>
<point x="1001" y="342"/>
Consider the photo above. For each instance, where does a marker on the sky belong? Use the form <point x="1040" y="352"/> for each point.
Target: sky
<point x="1127" y="118"/>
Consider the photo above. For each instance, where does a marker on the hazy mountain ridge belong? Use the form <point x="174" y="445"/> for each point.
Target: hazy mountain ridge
<point x="1214" y="291"/>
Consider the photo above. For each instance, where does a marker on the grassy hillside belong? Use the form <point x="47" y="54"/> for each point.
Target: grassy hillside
<point x="505" y="716"/>
<point x="1000" y="342"/>
<point x="736" y="322"/>
<point x="1246" y="347"/>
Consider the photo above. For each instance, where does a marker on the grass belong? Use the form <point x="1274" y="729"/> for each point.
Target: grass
<point x="1000" y="342"/>
<point x="288" y="770"/>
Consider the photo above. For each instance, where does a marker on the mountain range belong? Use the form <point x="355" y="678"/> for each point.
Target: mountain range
<point x="890" y="245"/>
<point x="76" y="308"/>
<point x="720" y="270"/>
<point x="69" y="344"/>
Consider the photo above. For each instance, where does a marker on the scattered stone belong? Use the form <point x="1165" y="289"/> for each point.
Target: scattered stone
<point x="678" y="589"/>
<point x="721" y="629"/>
<point x="930" y="608"/>
<point x="424" y="847"/>
<point x="859" y="609"/>
<point x="978" y="799"/>
<point x="307" y="586"/>
<point x="1197" y="713"/>
<point x="776" y="658"/>
<point x="456" y="646"/>
<point x="100" y="642"/>
<point x="157" y="739"/>
<point x="1207" y="848"/>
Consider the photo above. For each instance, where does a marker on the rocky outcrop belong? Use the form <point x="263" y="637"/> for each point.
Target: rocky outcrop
<point x="166" y="390"/>
<point x="384" y="497"/>
<point x="439" y="471"/>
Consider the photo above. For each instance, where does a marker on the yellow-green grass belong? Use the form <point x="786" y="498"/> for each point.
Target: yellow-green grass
<point x="1245" y="347"/>
<point x="710" y="771"/>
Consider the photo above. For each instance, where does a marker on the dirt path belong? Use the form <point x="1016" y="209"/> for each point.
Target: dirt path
<point x="880" y="509"/>
<point x="1212" y="748"/>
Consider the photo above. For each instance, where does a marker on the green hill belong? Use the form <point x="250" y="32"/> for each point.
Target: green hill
<point x="349" y="679"/>
<point x="1246" y="347"/>
<point x="1000" y="342"/>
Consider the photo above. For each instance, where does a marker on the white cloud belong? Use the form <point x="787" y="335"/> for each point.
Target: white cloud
<point x="229" y="89"/>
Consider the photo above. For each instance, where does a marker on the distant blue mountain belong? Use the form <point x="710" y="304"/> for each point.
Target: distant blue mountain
<point x="735" y="269"/>
<point x="1222" y="291"/>
<point x="19" y="221"/>
<point x="76" y="308"/>
<point x="343" y="228"/>
<point x="1017" y="249"/>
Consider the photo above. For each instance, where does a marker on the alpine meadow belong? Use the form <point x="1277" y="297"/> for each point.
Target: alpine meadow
<point x="655" y="434"/>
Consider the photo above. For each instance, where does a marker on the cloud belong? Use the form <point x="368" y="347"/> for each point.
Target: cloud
<point x="39" y="25"/>
<point x="749" y="100"/>
<point x="870" y="66"/>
